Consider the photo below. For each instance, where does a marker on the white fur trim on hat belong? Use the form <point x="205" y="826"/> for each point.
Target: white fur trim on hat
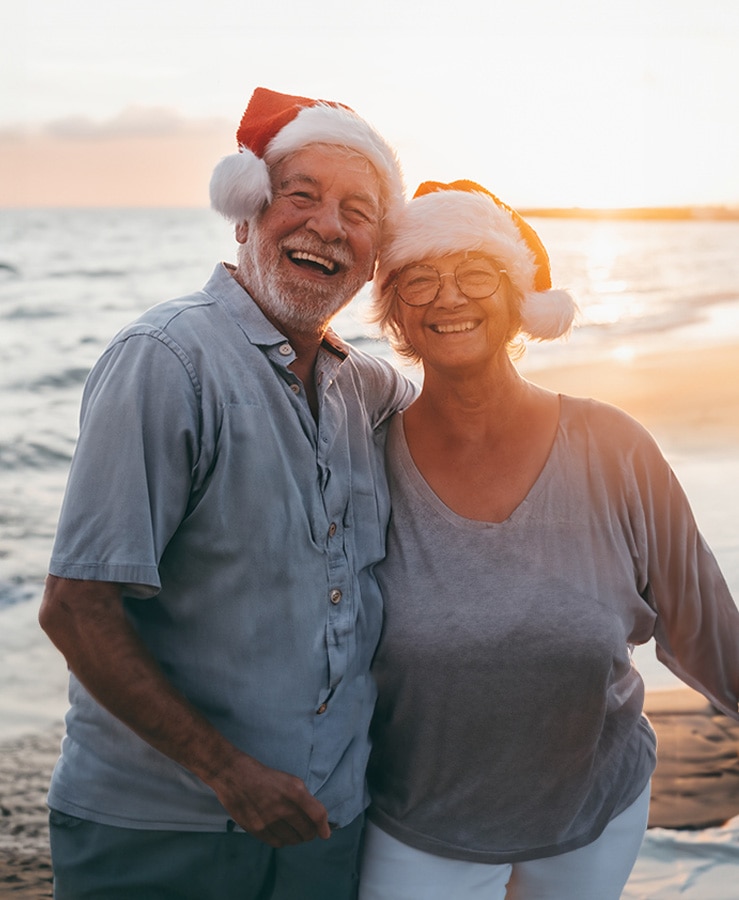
<point x="328" y="124"/>
<point x="240" y="186"/>
<point x="446" y="222"/>
<point x="450" y="221"/>
<point x="547" y="315"/>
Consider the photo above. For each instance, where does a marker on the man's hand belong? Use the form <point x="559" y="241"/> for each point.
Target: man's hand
<point x="271" y="805"/>
<point x="86" y="621"/>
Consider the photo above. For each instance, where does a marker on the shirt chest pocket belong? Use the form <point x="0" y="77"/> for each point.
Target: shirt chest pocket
<point x="369" y="511"/>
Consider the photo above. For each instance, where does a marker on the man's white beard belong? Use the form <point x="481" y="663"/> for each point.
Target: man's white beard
<point x="301" y="305"/>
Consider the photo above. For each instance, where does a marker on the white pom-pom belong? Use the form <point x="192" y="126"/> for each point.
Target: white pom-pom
<point x="548" y="315"/>
<point x="240" y="186"/>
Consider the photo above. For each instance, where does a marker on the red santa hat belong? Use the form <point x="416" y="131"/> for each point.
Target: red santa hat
<point x="442" y="219"/>
<point x="275" y="125"/>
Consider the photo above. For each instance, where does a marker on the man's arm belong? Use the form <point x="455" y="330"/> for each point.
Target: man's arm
<point x="87" y="623"/>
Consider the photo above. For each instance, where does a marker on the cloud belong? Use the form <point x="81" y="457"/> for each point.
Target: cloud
<point x="135" y="121"/>
<point x="131" y="122"/>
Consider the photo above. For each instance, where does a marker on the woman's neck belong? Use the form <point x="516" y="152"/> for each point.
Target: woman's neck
<point x="481" y="444"/>
<point x="474" y="405"/>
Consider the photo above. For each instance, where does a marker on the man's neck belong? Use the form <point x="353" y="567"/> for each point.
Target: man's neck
<point x="305" y="344"/>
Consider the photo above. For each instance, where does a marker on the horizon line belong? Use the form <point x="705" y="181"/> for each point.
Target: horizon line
<point x="695" y="211"/>
<point x="698" y="211"/>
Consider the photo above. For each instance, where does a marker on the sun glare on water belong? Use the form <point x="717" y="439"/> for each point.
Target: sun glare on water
<point x="606" y="297"/>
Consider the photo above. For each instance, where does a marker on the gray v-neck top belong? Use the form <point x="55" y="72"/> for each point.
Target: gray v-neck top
<point x="509" y="724"/>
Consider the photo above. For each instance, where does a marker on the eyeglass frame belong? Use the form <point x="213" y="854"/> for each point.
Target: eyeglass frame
<point x="441" y="275"/>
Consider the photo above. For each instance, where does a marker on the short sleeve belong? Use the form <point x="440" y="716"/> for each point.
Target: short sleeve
<point x="385" y="390"/>
<point x="132" y="471"/>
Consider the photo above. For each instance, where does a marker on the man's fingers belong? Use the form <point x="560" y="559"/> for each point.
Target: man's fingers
<point x="282" y="834"/>
<point x="276" y="807"/>
<point x="294" y="821"/>
<point x="318" y="816"/>
<point x="303" y="823"/>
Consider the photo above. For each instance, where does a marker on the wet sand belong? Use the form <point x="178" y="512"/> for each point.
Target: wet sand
<point x="696" y="783"/>
<point x="688" y="398"/>
<point x="25" y="767"/>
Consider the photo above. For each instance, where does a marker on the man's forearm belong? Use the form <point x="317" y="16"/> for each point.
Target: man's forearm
<point x="87" y="623"/>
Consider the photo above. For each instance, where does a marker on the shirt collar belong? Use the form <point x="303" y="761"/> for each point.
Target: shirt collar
<point x="252" y="321"/>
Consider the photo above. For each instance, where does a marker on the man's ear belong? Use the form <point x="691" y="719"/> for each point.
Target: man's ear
<point x="242" y="231"/>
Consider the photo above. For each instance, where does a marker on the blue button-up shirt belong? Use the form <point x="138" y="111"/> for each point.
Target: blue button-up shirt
<point x="246" y="533"/>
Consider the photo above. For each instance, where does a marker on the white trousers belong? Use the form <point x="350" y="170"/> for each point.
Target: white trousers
<point x="392" y="870"/>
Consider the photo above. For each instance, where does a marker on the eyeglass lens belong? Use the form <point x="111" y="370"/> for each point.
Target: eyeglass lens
<point x="420" y="285"/>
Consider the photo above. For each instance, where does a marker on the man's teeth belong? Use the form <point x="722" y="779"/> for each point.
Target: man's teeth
<point x="327" y="264"/>
<point x="457" y="326"/>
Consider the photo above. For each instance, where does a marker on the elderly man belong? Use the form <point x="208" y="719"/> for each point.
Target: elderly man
<point x="211" y="584"/>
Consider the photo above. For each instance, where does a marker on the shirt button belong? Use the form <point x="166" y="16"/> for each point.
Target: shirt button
<point x="285" y="350"/>
<point x="295" y="388"/>
<point x="332" y="529"/>
<point x="322" y="709"/>
<point x="335" y="596"/>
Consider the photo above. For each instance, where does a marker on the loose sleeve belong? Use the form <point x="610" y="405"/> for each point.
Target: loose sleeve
<point x="697" y="626"/>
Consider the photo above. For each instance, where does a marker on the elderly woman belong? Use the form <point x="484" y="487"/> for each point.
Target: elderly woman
<point x="535" y="538"/>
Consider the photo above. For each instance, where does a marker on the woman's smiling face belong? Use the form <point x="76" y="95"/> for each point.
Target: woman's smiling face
<point x="453" y="330"/>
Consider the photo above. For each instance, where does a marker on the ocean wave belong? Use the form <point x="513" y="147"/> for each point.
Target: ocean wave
<point x="87" y="273"/>
<point x="18" y="456"/>
<point x="71" y="377"/>
<point x="20" y="313"/>
<point x="714" y="298"/>
<point x="12" y="592"/>
<point x="647" y="325"/>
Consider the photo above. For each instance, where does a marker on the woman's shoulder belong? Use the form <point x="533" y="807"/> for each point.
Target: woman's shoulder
<point x="606" y="426"/>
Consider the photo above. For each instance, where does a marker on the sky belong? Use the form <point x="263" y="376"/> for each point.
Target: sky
<point x="574" y="103"/>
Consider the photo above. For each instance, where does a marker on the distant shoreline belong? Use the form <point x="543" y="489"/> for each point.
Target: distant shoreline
<point x="698" y="213"/>
<point x="655" y="213"/>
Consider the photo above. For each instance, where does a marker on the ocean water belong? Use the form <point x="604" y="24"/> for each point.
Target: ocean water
<point x="70" y="278"/>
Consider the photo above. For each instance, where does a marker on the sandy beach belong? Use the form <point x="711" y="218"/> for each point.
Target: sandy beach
<point x="690" y="400"/>
<point x="25" y="767"/>
<point x="688" y="397"/>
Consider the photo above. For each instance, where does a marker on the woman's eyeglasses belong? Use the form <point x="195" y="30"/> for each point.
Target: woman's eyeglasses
<point x="475" y="278"/>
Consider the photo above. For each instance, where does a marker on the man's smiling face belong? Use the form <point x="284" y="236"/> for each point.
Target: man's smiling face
<point x="315" y="245"/>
